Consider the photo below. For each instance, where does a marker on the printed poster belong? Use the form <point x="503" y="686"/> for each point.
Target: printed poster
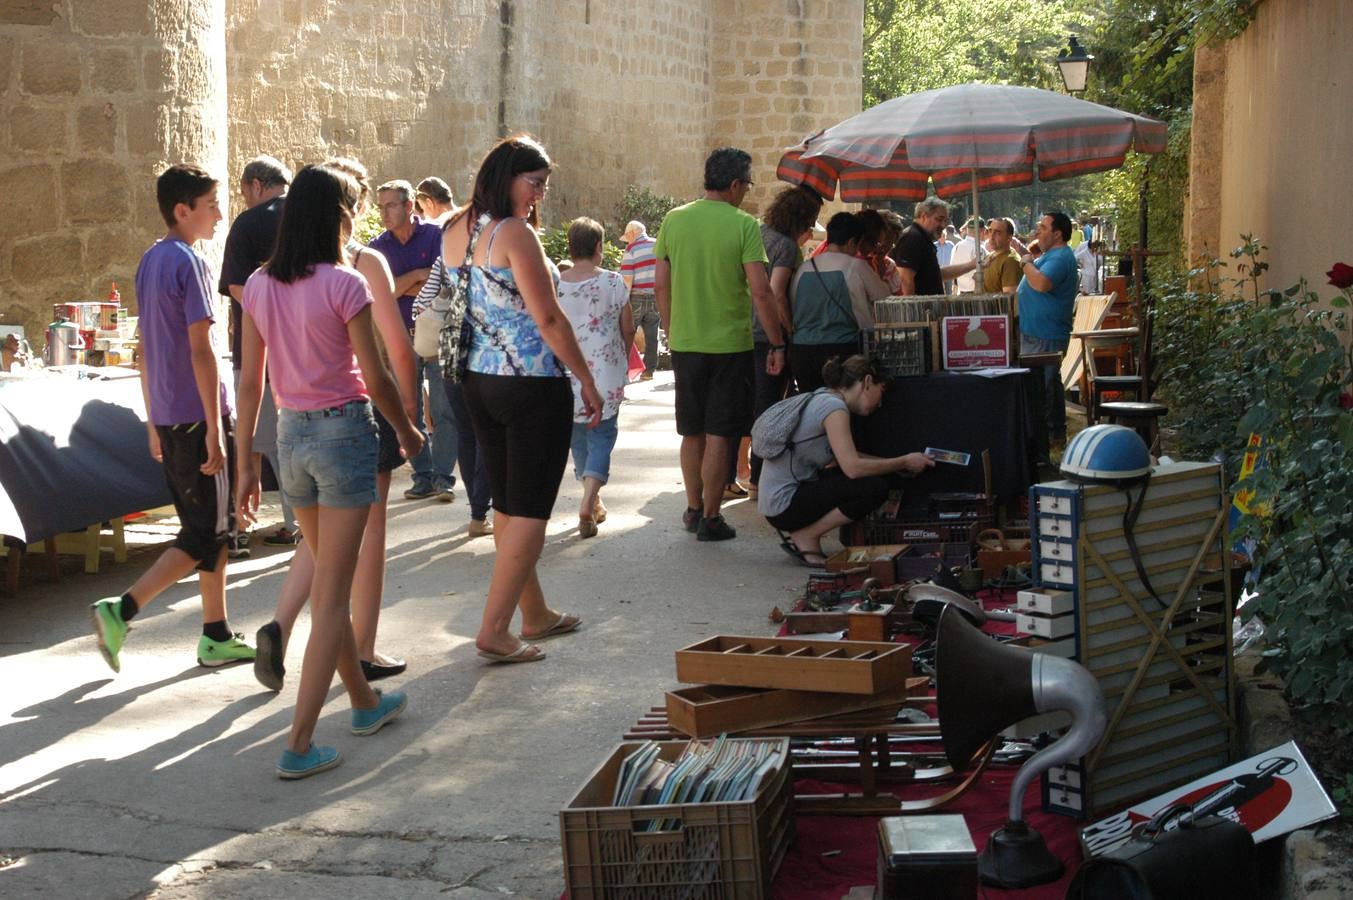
<point x="976" y="342"/>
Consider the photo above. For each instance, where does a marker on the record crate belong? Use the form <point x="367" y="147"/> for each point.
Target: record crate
<point x="952" y="540"/>
<point x="901" y="350"/>
<point x="705" y="851"/>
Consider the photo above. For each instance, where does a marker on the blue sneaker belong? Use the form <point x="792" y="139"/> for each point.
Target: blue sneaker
<point x="387" y="709"/>
<point x="302" y="765"/>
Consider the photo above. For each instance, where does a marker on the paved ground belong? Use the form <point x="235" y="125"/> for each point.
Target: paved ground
<point x="159" y="780"/>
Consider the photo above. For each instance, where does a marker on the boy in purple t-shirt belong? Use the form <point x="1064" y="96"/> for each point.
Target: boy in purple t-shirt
<point x="187" y="420"/>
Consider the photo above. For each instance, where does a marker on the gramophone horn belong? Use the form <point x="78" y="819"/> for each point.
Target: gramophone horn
<point x="981" y="687"/>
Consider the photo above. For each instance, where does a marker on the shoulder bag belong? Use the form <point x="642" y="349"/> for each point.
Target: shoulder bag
<point x="453" y="337"/>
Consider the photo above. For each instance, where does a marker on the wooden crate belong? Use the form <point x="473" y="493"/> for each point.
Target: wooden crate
<point x="846" y="667"/>
<point x="704" y="850"/>
<point x="708" y="710"/>
<point x="879" y="559"/>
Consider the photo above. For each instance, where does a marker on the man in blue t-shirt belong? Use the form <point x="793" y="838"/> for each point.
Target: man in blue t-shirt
<point x="411" y="247"/>
<point x="1047" y="302"/>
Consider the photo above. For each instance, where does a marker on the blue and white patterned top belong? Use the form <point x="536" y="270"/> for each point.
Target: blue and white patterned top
<point x="505" y="339"/>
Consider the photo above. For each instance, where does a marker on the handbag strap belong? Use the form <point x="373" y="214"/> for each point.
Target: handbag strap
<point x="845" y="308"/>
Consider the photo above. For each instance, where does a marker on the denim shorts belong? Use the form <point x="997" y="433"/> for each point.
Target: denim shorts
<point x="328" y="456"/>
<point x="592" y="449"/>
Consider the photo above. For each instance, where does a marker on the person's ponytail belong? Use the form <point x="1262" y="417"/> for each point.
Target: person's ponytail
<point x="842" y="374"/>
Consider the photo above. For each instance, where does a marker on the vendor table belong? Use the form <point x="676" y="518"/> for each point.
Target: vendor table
<point x="73" y="453"/>
<point x="967" y="413"/>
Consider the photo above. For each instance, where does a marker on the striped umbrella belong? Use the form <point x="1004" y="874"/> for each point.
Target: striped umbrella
<point x="966" y="137"/>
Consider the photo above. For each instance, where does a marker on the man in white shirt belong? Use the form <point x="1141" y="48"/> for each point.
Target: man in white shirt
<point x="1090" y="256"/>
<point x="965" y="251"/>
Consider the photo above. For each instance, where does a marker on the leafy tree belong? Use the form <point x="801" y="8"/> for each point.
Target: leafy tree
<point x="919" y="45"/>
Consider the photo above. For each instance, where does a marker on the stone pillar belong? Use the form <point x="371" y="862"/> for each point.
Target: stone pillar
<point x="1202" y="212"/>
<point x="98" y="97"/>
<point x="782" y="69"/>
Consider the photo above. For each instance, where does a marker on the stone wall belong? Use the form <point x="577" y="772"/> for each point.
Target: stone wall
<point x="94" y="105"/>
<point x="783" y="69"/>
<point x="1270" y="154"/>
<point x="100" y="95"/>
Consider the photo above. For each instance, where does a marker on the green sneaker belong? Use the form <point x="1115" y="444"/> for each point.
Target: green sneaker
<point x="106" y="617"/>
<point x="215" y="653"/>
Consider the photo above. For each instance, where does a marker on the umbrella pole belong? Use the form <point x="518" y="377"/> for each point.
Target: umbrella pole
<point x="977" y="214"/>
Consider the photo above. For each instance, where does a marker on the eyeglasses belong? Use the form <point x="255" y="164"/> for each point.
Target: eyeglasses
<point x="391" y="207"/>
<point x="539" y="185"/>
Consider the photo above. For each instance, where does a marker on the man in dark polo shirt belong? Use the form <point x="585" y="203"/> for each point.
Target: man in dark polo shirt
<point x="914" y="253"/>
<point x="249" y="244"/>
<point x="411" y="247"/>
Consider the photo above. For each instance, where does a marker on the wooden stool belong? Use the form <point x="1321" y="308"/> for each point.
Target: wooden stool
<point x="1138" y="415"/>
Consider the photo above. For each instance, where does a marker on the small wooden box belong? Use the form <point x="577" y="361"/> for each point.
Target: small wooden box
<point x="847" y="667"/>
<point x="879" y="559"/>
<point x="709" y="710"/>
<point x="926" y="858"/>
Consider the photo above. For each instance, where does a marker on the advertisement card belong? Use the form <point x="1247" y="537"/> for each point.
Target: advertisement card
<point x="1271" y="794"/>
<point x="976" y="342"/>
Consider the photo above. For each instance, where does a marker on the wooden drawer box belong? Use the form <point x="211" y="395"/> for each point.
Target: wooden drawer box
<point x="846" y="667"/>
<point x="709" y="710"/>
<point x="879" y="559"/>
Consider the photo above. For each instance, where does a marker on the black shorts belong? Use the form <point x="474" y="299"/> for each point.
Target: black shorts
<point x="205" y="503"/>
<point x="855" y="497"/>
<point x="523" y="426"/>
<point x="714" y="393"/>
<point x="388" y="457"/>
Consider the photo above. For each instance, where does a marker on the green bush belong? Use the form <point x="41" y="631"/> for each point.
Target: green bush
<point x="643" y="205"/>
<point x="369" y="226"/>
<point x="1236" y="361"/>
<point x="555" y="241"/>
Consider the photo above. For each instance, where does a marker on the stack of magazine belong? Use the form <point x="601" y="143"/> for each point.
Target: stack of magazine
<point x="706" y="772"/>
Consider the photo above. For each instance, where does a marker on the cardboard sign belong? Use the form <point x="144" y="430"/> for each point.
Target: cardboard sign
<point x="1271" y="794"/>
<point x="976" y="342"/>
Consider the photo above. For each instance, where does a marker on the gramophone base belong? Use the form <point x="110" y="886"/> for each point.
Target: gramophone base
<point x="1017" y="857"/>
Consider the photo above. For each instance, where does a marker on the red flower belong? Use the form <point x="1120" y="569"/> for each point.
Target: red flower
<point x="1341" y="276"/>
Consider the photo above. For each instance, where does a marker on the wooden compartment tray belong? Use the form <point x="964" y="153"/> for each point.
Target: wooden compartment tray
<point x="845" y="667"/>
<point x="709" y="710"/>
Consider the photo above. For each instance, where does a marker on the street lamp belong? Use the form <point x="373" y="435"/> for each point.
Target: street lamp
<point x="1074" y="64"/>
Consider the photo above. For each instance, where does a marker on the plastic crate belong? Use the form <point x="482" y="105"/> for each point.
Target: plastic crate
<point x="871" y="530"/>
<point x="708" y="851"/>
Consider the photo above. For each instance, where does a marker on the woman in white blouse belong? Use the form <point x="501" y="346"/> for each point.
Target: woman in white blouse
<point x="596" y="302"/>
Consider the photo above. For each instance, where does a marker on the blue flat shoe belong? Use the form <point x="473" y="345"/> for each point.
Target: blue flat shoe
<point x="387" y="709"/>
<point x="302" y="765"/>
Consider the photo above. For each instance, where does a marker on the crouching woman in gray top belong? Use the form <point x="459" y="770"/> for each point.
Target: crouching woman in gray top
<point x="823" y="481"/>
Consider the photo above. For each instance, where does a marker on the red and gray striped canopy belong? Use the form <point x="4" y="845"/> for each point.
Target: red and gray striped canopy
<point x="892" y="150"/>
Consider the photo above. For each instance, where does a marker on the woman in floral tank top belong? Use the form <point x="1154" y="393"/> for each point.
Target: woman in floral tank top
<point x="516" y="387"/>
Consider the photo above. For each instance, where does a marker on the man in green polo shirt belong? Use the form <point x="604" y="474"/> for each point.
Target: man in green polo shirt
<point x="710" y="268"/>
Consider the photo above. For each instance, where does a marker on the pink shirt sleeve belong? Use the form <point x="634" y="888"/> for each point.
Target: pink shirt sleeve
<point x="351" y="293"/>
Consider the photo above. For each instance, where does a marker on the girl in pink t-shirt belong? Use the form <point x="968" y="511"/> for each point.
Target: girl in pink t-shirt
<point x="307" y="317"/>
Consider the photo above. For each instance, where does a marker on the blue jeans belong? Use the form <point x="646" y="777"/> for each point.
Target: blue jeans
<point x="437" y="460"/>
<point x="472" y="471"/>
<point x="592" y="449"/>
<point x="1054" y="399"/>
<point x="328" y="456"/>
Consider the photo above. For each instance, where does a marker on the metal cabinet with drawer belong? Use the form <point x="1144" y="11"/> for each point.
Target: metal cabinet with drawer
<point x="1164" y="665"/>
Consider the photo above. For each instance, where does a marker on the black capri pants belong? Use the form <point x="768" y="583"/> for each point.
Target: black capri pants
<point x="856" y="497"/>
<point x="523" y="426"/>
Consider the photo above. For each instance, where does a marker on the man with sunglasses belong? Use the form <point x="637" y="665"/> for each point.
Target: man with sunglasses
<point x="709" y="275"/>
